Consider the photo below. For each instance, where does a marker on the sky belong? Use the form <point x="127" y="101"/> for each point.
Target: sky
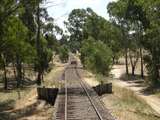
<point x="59" y="9"/>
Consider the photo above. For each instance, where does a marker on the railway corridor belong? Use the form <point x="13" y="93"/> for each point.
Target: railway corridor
<point x="77" y="101"/>
<point x="78" y="105"/>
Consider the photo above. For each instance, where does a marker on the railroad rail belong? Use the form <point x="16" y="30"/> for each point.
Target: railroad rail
<point x="78" y="101"/>
<point x="89" y="97"/>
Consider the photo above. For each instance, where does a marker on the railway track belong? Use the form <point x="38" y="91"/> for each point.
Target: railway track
<point x="78" y="101"/>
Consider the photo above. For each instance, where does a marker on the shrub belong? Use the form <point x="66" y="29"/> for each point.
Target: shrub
<point x="96" y="56"/>
<point x="152" y="66"/>
<point x="63" y="53"/>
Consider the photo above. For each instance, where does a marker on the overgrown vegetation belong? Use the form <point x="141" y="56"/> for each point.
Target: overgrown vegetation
<point x="127" y="106"/>
<point x="96" y="56"/>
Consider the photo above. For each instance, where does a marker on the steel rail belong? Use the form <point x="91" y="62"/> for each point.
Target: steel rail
<point x="89" y="97"/>
<point x="66" y="100"/>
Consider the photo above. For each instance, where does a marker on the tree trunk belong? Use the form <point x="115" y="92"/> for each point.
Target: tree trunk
<point x="38" y="48"/>
<point x="132" y="64"/>
<point x="113" y="59"/>
<point x="141" y="57"/>
<point x="14" y="70"/>
<point x="5" y="75"/>
<point x="133" y="69"/>
<point x="5" y="72"/>
<point x="133" y="60"/>
<point x="39" y="80"/>
<point x="23" y="73"/>
<point x="5" y="78"/>
<point x="19" y="70"/>
<point x="126" y="61"/>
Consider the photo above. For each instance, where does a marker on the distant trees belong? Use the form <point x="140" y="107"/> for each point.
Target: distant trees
<point x="75" y="24"/>
<point x="63" y="53"/>
<point x="95" y="40"/>
<point x="133" y="30"/>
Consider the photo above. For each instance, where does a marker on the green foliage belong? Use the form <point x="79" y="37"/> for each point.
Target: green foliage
<point x="15" y="40"/>
<point x="151" y="43"/>
<point x="27" y="37"/>
<point x="142" y="18"/>
<point x="152" y="59"/>
<point x="45" y="56"/>
<point x="63" y="53"/>
<point x="103" y="30"/>
<point x="96" y="56"/>
<point x="83" y="23"/>
<point x="75" y="26"/>
<point x="96" y="38"/>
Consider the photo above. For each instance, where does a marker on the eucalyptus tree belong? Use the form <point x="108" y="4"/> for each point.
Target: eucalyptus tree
<point x="17" y="46"/>
<point x="133" y="53"/>
<point x="131" y="17"/>
<point x="27" y="14"/>
<point x="75" y="24"/>
<point x="117" y="12"/>
<point x="102" y="30"/>
<point x="137" y="16"/>
<point x="49" y="32"/>
<point x="8" y="9"/>
<point x="23" y="37"/>
<point x="142" y="17"/>
<point x="34" y="17"/>
<point x="152" y="40"/>
<point x="42" y="34"/>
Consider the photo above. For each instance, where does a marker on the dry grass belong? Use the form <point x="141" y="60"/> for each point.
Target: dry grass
<point x="8" y="101"/>
<point x="54" y="78"/>
<point x="13" y="94"/>
<point x="158" y="94"/>
<point x="101" y="79"/>
<point x="26" y="106"/>
<point x="119" y="70"/>
<point x="125" y="105"/>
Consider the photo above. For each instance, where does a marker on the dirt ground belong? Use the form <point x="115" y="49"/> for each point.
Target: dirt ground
<point x="40" y="109"/>
<point x="44" y="111"/>
<point x="132" y="107"/>
<point x="28" y="107"/>
<point x="137" y="86"/>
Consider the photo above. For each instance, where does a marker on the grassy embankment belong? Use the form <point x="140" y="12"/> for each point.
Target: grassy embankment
<point x="125" y="105"/>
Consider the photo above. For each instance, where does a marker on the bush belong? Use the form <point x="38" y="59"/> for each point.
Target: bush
<point x="152" y="66"/>
<point x="96" y="56"/>
<point x="63" y="53"/>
